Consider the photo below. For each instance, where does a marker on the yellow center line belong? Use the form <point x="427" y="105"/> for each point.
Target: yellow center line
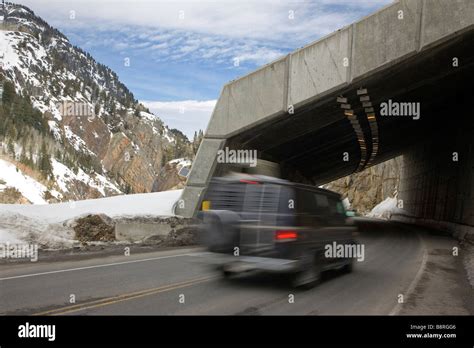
<point x="123" y="297"/>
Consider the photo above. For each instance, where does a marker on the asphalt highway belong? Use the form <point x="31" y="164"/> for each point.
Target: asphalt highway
<point x="181" y="281"/>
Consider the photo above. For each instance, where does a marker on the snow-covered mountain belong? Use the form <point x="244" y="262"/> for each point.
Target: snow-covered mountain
<point x="68" y="122"/>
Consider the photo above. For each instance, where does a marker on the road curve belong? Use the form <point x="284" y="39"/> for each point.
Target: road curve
<point x="181" y="282"/>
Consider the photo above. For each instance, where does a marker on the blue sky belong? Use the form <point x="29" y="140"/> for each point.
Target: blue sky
<point x="180" y="53"/>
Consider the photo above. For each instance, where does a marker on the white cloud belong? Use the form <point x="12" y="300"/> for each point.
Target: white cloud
<point x="187" y="115"/>
<point x="256" y="19"/>
<point x="159" y="46"/>
<point x="253" y="31"/>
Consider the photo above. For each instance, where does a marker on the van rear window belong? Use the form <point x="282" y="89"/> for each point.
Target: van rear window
<point x="322" y="201"/>
<point x="243" y="197"/>
<point x="310" y="202"/>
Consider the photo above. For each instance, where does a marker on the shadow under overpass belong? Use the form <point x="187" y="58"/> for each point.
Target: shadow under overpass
<point x="319" y="144"/>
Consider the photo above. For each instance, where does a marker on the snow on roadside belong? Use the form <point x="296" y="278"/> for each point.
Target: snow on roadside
<point x="153" y="204"/>
<point x="346" y="203"/>
<point x="385" y="209"/>
<point x="8" y="237"/>
<point x="49" y="225"/>
<point x="17" y="228"/>
<point x="29" y="188"/>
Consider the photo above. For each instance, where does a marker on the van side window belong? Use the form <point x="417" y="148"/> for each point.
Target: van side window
<point x="288" y="201"/>
<point x="313" y="203"/>
<point x="306" y="202"/>
<point x="336" y="207"/>
<point x="321" y="201"/>
<point x="340" y="208"/>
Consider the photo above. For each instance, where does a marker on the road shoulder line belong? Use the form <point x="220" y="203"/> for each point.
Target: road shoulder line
<point x="411" y="288"/>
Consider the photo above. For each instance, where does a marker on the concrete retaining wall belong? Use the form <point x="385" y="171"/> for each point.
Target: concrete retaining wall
<point x="139" y="231"/>
<point x="434" y="187"/>
<point x="460" y="232"/>
<point x="142" y="228"/>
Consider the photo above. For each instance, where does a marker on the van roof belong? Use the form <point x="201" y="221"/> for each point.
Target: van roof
<point x="236" y="177"/>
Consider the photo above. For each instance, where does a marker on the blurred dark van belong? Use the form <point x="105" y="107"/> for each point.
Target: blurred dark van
<point x="252" y="222"/>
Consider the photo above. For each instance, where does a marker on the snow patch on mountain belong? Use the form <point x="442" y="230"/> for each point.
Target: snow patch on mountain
<point x="22" y="61"/>
<point x="65" y="177"/>
<point x="181" y="162"/>
<point x="28" y="187"/>
<point x="75" y="140"/>
<point x="48" y="71"/>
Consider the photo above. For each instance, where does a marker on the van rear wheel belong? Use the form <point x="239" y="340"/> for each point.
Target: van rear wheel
<point x="307" y="278"/>
<point x="227" y="274"/>
<point x="348" y="267"/>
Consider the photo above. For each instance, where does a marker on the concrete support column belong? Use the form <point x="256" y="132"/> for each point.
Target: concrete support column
<point x="437" y="181"/>
<point x="201" y="172"/>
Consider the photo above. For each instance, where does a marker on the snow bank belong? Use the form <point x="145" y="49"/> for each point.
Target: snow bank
<point x="385" y="209"/>
<point x="156" y="203"/>
<point x="49" y="225"/>
<point x="17" y="228"/>
<point x="8" y="237"/>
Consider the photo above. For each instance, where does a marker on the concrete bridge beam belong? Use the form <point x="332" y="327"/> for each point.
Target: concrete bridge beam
<point x="337" y="63"/>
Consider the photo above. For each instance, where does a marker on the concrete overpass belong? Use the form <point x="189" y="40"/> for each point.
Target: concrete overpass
<point x="320" y="112"/>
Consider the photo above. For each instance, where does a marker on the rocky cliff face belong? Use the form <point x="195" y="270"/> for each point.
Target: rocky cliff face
<point x="82" y="130"/>
<point x="371" y="186"/>
<point x="171" y="177"/>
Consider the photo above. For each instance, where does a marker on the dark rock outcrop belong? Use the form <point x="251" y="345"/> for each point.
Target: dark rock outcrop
<point x="95" y="228"/>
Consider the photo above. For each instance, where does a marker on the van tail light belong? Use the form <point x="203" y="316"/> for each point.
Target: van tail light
<point x="251" y="182"/>
<point x="285" y="236"/>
